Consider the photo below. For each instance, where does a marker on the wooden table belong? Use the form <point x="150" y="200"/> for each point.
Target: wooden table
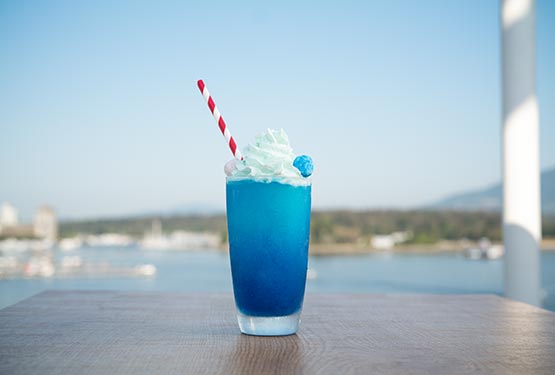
<point x="66" y="332"/>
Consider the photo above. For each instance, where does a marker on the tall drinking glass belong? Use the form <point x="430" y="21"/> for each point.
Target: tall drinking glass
<point x="269" y="226"/>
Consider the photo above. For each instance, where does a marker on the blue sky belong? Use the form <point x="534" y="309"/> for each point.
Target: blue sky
<point x="398" y="102"/>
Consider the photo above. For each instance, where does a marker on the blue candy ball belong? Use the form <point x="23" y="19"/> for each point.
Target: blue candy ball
<point x="304" y="164"/>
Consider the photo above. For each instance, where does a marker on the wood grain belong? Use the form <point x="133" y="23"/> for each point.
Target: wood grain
<point x="159" y="333"/>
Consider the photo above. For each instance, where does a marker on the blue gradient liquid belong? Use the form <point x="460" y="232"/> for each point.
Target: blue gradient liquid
<point x="268" y="226"/>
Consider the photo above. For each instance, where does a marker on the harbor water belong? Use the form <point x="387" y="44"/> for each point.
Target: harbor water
<point x="209" y="271"/>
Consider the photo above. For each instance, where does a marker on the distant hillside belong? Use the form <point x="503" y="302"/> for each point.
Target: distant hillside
<point x="489" y="199"/>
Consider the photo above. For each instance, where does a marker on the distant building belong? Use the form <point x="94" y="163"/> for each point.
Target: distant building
<point x="8" y="216"/>
<point x="388" y="241"/>
<point x="45" y="224"/>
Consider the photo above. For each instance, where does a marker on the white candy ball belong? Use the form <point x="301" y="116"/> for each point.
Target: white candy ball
<point x="230" y="166"/>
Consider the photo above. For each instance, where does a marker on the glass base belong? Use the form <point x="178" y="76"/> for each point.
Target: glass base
<point x="269" y="325"/>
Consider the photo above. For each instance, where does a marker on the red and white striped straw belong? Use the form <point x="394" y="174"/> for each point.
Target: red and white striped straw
<point x="220" y="120"/>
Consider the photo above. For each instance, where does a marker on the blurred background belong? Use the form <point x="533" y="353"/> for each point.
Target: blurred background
<point x="111" y="166"/>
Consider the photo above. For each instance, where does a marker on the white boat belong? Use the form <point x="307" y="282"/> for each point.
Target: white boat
<point x="70" y="244"/>
<point x="484" y="250"/>
<point x="178" y="240"/>
<point x="109" y="240"/>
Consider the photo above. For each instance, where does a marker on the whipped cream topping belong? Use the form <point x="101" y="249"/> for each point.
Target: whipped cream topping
<point x="268" y="157"/>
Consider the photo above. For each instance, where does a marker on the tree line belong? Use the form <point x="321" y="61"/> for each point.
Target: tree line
<point x="329" y="227"/>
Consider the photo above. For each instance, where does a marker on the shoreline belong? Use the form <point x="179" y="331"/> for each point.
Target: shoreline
<point x="436" y="248"/>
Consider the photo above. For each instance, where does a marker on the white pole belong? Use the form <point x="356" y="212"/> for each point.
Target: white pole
<point x="521" y="178"/>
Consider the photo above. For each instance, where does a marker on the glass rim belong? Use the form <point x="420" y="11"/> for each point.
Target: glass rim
<point x="295" y="181"/>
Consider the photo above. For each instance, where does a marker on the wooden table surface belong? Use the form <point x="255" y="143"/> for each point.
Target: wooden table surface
<point x="66" y="332"/>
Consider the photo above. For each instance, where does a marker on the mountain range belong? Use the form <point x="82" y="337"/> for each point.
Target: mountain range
<point x="490" y="198"/>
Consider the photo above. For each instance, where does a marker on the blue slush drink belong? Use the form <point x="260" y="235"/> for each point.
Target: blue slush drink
<point x="268" y="228"/>
<point x="269" y="224"/>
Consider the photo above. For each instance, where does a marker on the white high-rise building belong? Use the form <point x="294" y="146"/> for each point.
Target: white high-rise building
<point x="45" y="224"/>
<point x="8" y="216"/>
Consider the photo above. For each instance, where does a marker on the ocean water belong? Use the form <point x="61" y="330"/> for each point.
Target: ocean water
<point x="208" y="271"/>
